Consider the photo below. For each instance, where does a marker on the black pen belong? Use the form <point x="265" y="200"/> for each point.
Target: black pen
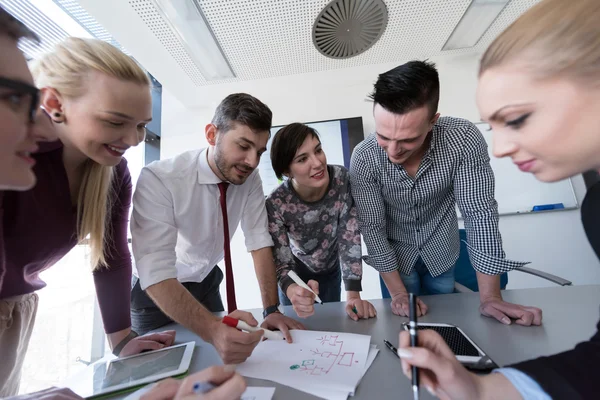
<point x="414" y="342"/>
<point x="391" y="347"/>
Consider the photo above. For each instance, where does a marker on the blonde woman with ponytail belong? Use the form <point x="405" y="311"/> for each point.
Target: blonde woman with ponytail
<point x="98" y="101"/>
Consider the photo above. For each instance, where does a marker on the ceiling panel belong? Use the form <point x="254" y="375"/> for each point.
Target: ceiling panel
<point x="272" y="38"/>
<point x="268" y="38"/>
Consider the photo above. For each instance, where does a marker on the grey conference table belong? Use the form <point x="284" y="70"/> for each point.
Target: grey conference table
<point x="570" y="315"/>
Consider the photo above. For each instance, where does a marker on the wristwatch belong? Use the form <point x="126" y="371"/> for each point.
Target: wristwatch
<point x="272" y="309"/>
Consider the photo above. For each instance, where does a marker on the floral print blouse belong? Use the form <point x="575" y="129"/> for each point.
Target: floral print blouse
<point x="323" y="235"/>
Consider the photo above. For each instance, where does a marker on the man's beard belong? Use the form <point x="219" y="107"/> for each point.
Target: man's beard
<point x="228" y="171"/>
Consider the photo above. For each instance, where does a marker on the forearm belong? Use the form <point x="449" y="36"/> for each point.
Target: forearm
<point x="489" y="286"/>
<point x="264" y="266"/>
<point x="175" y="301"/>
<point x="393" y="282"/>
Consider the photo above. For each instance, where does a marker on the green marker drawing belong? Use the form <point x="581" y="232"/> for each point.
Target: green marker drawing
<point x="293" y="367"/>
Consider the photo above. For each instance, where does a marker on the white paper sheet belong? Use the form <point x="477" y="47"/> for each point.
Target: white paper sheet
<point x="328" y="394"/>
<point x="258" y="393"/>
<point x="330" y="360"/>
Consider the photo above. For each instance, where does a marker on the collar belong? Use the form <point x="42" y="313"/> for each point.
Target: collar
<point x="434" y="137"/>
<point x="206" y="176"/>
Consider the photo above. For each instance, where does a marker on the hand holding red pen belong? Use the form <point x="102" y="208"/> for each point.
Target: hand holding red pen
<point x="233" y="345"/>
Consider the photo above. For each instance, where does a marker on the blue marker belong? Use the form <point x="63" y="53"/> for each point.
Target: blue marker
<point x="545" y="207"/>
<point x="203" y="387"/>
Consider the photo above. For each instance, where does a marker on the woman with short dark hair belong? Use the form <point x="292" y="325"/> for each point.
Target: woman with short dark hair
<point x="312" y="220"/>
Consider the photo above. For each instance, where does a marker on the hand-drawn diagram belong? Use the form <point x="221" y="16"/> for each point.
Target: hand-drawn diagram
<point x="328" y="353"/>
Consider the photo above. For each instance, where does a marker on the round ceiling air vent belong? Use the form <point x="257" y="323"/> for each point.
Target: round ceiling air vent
<point x="346" y="28"/>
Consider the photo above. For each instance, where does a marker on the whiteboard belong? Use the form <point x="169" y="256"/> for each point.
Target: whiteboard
<point x="330" y="134"/>
<point x="517" y="192"/>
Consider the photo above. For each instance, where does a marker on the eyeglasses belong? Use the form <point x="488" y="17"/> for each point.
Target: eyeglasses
<point x="19" y="94"/>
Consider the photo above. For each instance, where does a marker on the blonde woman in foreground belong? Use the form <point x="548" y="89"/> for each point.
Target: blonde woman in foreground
<point x="539" y="89"/>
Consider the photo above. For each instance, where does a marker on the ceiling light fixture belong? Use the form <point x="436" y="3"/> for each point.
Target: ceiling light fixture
<point x="188" y="23"/>
<point x="474" y="23"/>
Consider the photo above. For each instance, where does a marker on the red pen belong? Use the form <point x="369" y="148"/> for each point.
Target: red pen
<point x="241" y="325"/>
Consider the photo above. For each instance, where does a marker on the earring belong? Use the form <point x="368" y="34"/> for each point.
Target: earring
<point x="57" y="115"/>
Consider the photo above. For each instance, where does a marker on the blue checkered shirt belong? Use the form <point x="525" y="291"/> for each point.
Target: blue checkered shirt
<point x="402" y="218"/>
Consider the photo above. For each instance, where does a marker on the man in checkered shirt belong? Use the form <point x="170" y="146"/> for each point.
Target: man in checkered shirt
<point x="407" y="179"/>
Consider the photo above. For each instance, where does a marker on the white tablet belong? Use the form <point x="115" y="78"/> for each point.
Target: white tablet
<point x="120" y="374"/>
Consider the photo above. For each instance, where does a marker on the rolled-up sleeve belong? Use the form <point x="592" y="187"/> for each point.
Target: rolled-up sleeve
<point x="254" y="218"/>
<point x="153" y="230"/>
<point x="474" y="190"/>
<point x="371" y="214"/>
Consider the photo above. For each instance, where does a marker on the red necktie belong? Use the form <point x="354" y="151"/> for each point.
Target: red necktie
<point x="229" y="285"/>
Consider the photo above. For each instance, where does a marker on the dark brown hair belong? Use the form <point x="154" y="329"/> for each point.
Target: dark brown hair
<point x="286" y="143"/>
<point x="407" y="87"/>
<point x="244" y="109"/>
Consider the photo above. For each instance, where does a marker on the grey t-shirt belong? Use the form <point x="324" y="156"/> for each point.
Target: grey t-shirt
<point x="323" y="235"/>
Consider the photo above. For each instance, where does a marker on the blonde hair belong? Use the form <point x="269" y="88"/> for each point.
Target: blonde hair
<point x="66" y="69"/>
<point x="553" y="38"/>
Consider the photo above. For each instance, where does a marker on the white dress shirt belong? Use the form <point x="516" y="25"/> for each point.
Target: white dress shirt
<point x="177" y="224"/>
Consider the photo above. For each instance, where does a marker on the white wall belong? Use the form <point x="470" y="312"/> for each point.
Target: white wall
<point x="553" y="242"/>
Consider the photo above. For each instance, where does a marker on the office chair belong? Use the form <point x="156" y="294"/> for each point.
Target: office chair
<point x="466" y="279"/>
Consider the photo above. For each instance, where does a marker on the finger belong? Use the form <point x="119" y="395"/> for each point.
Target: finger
<point x="283" y="328"/>
<point x="442" y="366"/>
<point x="162" y="337"/>
<point x="314" y="285"/>
<point x="350" y="312"/>
<point x="360" y="309"/>
<point x="491" y="311"/>
<point x="406" y="369"/>
<point x="418" y="309"/>
<point x="141" y="345"/>
<point x="428" y="339"/>
<point x="244" y="316"/>
<point x="422" y="306"/>
<point x="247" y="338"/>
<point x="526" y="318"/>
<point x="537" y="315"/>
<point x="405" y="307"/>
<point x="304" y="300"/>
<point x="305" y="309"/>
<point x="372" y="311"/>
<point x="302" y="314"/>
<point x="397" y="309"/>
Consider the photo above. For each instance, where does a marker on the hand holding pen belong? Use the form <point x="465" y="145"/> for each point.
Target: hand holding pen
<point x="303" y="295"/>
<point x="214" y="383"/>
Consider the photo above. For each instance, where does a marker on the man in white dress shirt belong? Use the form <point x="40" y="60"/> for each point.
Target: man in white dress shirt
<point x="178" y="231"/>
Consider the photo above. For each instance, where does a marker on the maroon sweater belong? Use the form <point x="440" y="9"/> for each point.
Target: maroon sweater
<point x="38" y="227"/>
